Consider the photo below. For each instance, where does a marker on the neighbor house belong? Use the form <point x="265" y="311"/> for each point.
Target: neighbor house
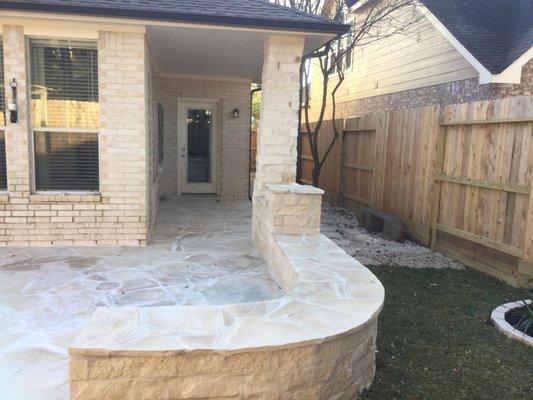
<point x="445" y="52"/>
<point x="108" y="106"/>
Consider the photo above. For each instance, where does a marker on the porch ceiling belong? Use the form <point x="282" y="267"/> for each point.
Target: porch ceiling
<point x="214" y="52"/>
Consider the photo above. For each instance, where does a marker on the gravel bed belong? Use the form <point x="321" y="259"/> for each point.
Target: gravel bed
<point x="341" y="226"/>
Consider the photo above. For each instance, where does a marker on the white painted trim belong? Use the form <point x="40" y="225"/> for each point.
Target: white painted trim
<point x="216" y="144"/>
<point x="204" y="77"/>
<point x="359" y="4"/>
<point x="512" y="74"/>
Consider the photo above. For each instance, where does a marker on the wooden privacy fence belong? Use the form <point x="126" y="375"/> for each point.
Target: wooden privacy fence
<point x="460" y="178"/>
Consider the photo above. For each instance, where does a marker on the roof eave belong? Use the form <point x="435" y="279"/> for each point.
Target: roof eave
<point x="285" y="25"/>
<point x="511" y="74"/>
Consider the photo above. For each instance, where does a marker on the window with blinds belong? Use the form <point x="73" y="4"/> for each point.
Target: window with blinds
<point x="3" y="172"/>
<point x="2" y="88"/>
<point x="64" y="114"/>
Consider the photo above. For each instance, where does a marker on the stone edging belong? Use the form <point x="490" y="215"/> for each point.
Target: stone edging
<point x="498" y="317"/>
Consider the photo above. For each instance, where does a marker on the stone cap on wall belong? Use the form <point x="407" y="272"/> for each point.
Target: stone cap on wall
<point x="293" y="188"/>
<point x="333" y="295"/>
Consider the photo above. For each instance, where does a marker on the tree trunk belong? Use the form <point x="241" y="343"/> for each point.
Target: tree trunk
<point x="316" y="175"/>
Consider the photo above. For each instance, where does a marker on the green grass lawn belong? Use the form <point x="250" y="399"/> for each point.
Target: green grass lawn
<point x="434" y="341"/>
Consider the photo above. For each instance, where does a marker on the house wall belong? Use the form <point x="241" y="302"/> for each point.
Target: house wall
<point x="413" y="69"/>
<point x="118" y="214"/>
<point x="152" y="161"/>
<point x="235" y="140"/>
<point x="418" y="57"/>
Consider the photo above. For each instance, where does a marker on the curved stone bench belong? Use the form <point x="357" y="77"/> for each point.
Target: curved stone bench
<point x="317" y="341"/>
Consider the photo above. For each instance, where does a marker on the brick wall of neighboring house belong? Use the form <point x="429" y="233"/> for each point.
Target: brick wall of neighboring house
<point x="525" y="88"/>
<point x="118" y="215"/>
<point x="463" y="91"/>
<point x="235" y="141"/>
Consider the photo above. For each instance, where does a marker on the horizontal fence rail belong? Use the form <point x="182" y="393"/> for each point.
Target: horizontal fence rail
<point x="459" y="176"/>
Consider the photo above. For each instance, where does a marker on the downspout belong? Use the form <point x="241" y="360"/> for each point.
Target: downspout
<point x="257" y="89"/>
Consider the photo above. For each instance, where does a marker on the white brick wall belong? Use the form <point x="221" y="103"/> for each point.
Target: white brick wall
<point x="129" y="185"/>
<point x="119" y="214"/>
<point x="235" y="141"/>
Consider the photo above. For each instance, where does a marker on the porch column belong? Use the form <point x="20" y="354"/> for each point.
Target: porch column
<point x="17" y="137"/>
<point x="278" y="126"/>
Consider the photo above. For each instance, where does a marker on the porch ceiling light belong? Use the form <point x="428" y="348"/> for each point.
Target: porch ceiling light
<point x="235" y="113"/>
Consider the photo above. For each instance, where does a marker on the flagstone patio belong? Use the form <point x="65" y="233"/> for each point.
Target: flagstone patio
<point x="200" y="253"/>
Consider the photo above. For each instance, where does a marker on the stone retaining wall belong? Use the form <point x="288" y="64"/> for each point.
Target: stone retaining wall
<point x="318" y="341"/>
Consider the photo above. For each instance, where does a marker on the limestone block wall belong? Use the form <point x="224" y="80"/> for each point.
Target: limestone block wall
<point x="337" y="368"/>
<point x="235" y="140"/>
<point x="116" y="215"/>
<point x="284" y="209"/>
<point x="278" y="127"/>
<point x="315" y="342"/>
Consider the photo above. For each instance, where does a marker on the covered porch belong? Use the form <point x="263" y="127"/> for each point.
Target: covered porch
<point x="203" y="77"/>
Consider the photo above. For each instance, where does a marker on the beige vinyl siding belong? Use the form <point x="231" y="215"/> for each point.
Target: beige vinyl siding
<point x="417" y="58"/>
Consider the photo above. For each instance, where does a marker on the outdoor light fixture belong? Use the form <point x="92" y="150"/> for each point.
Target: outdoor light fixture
<point x="12" y="106"/>
<point x="235" y="113"/>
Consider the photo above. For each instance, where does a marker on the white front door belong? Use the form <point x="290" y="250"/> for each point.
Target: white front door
<point x="198" y="142"/>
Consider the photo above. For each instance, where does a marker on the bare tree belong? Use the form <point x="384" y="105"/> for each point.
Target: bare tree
<point x="373" y="21"/>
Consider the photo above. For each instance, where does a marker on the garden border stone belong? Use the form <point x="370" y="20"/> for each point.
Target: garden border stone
<point x="498" y="317"/>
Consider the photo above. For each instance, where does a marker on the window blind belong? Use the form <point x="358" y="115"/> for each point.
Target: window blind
<point x="2" y="93"/>
<point x="160" y="132"/>
<point x="66" y="161"/>
<point x="64" y="84"/>
<point x="65" y="114"/>
<point x="3" y="172"/>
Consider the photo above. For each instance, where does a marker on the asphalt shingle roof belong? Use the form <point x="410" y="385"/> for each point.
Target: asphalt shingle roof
<point x="258" y="13"/>
<point x="496" y="32"/>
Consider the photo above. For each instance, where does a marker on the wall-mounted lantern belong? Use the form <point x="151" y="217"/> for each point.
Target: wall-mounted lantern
<point x="12" y="106"/>
<point x="235" y="113"/>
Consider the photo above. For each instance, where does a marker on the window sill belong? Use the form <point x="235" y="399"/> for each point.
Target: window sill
<point x="4" y="197"/>
<point x="65" y="198"/>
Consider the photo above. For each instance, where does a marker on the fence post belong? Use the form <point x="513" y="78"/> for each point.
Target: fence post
<point x="525" y="266"/>
<point x="435" y="201"/>
<point x="340" y="160"/>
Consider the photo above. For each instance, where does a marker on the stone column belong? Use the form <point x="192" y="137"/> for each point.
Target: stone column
<point x="278" y="127"/>
<point x="17" y="134"/>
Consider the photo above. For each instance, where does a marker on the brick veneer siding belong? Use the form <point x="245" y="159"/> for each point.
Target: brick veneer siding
<point x="463" y="91"/>
<point x="235" y="140"/>
<point x="118" y="214"/>
<point x="525" y="88"/>
<point x="152" y="162"/>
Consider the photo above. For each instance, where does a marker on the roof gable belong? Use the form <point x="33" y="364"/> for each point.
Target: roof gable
<point x="495" y="32"/>
<point x="256" y="13"/>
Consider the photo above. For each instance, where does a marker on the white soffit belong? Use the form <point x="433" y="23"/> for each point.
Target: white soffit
<point x="213" y="52"/>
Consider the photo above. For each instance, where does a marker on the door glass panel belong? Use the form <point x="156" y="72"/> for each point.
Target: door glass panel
<point x="199" y="125"/>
